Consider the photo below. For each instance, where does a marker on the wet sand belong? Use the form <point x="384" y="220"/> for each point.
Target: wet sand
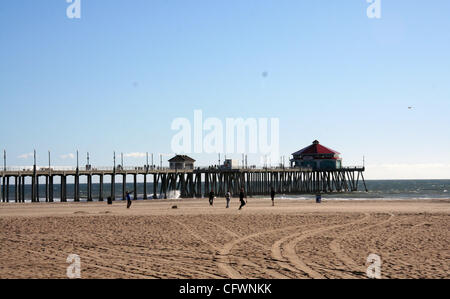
<point x="294" y="239"/>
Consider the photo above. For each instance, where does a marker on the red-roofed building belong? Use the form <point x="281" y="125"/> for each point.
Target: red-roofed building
<point x="317" y="157"/>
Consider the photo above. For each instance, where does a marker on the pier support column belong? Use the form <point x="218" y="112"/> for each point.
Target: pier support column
<point x="16" y="189"/>
<point x="7" y="189"/>
<point x="89" y="187"/>
<point x="33" y="189"/>
<point x="155" y="185"/>
<point x="33" y="184"/>
<point x="124" y="186"/>
<point x="37" y="189"/>
<point x="207" y="190"/>
<point x="164" y="184"/>
<point x="191" y="185"/>
<point x="61" y="189"/>
<point x="50" y="189"/>
<point x="182" y="186"/>
<point x="19" y="178"/>
<point x="113" y="186"/>
<point x="74" y="187"/>
<point x="100" y="194"/>
<point x="22" y="186"/>
<point x="21" y="195"/>
<point x="77" y="187"/>
<point x="46" y="189"/>
<point x="145" y="186"/>
<point x="135" y="187"/>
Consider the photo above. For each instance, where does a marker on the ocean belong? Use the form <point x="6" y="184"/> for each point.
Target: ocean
<point x="378" y="190"/>
<point x="393" y="190"/>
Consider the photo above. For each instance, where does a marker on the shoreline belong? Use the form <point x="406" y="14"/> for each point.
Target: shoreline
<point x="201" y="206"/>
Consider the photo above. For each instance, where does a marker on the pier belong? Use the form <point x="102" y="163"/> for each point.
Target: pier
<point x="191" y="183"/>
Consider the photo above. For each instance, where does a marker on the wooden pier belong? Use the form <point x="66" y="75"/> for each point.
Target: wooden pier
<point x="190" y="183"/>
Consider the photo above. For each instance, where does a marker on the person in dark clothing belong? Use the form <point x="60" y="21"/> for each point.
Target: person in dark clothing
<point x="241" y="198"/>
<point x="128" y="200"/>
<point x="228" y="198"/>
<point x="272" y="195"/>
<point x="211" y="198"/>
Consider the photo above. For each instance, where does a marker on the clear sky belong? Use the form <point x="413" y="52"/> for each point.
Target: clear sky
<point x="116" y="78"/>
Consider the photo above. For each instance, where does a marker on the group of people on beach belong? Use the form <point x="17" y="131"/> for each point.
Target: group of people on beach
<point x="242" y="198"/>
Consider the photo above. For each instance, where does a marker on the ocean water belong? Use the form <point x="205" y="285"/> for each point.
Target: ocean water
<point x="392" y="190"/>
<point x="378" y="190"/>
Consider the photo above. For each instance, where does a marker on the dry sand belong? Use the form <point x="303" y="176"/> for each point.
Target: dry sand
<point x="295" y="239"/>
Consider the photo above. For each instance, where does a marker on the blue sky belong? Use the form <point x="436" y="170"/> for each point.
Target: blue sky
<point x="116" y="78"/>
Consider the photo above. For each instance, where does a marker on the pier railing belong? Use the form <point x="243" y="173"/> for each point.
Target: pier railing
<point x="139" y="168"/>
<point x="157" y="168"/>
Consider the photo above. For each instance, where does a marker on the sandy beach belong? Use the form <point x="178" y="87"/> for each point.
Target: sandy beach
<point x="294" y="239"/>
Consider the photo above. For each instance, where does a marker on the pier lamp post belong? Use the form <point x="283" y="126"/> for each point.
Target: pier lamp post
<point x="4" y="160"/>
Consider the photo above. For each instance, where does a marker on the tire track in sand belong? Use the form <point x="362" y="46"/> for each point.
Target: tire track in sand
<point x="293" y="240"/>
<point x="226" y="265"/>
<point x="335" y="246"/>
<point x="94" y="255"/>
<point x="216" y="259"/>
<point x="184" y="266"/>
<point x="221" y="257"/>
<point x="55" y="255"/>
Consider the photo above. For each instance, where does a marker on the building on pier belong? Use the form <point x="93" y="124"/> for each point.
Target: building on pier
<point x="317" y="157"/>
<point x="230" y="164"/>
<point x="181" y="162"/>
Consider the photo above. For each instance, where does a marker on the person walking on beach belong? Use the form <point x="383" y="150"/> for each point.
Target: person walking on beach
<point x="241" y="198"/>
<point x="272" y="195"/>
<point x="211" y="198"/>
<point x="128" y="200"/>
<point x="228" y="198"/>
